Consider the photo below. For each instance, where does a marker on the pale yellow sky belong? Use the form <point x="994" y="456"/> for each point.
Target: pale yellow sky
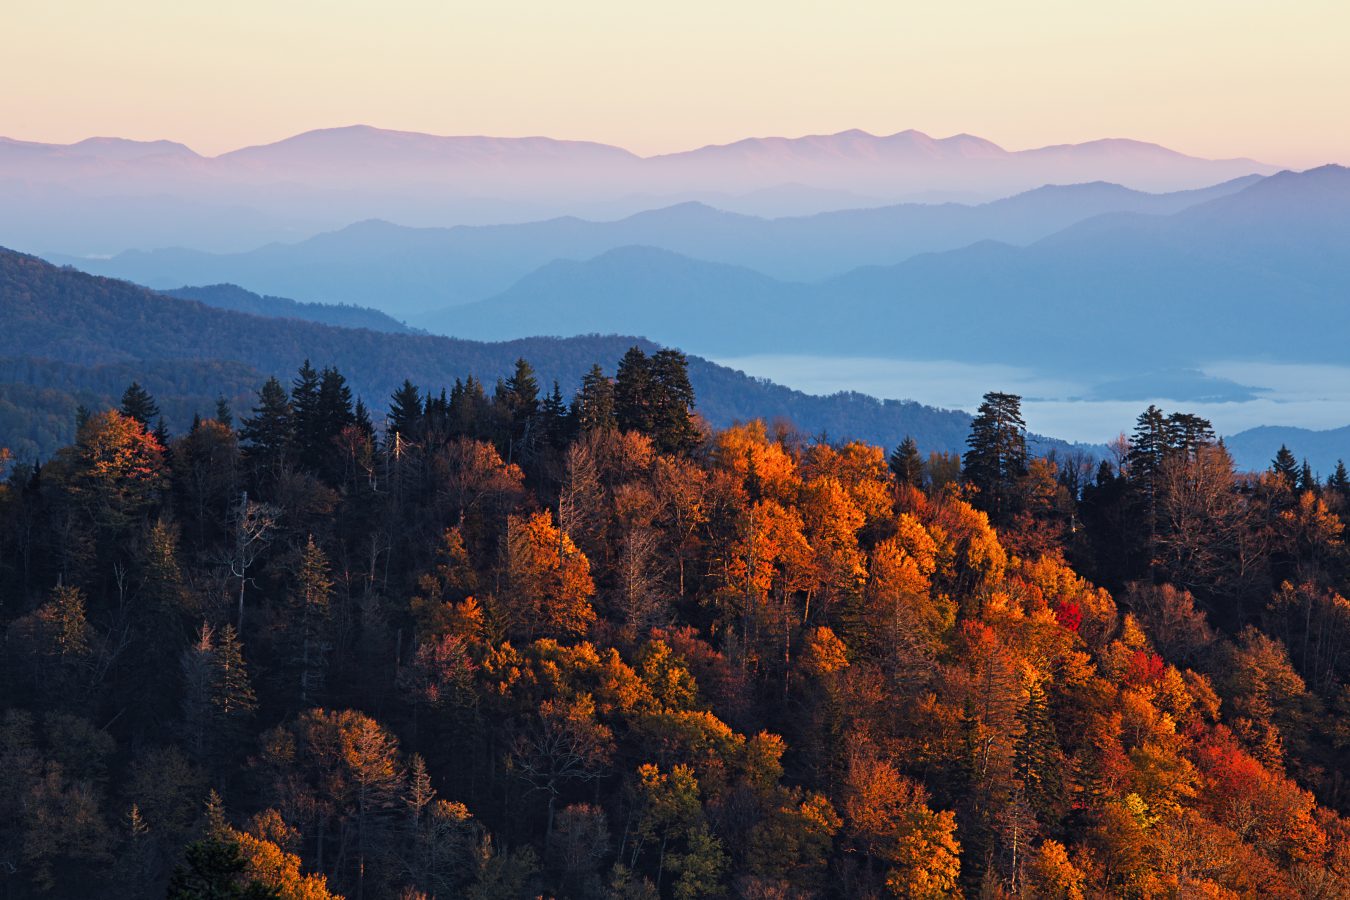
<point x="1232" y="78"/>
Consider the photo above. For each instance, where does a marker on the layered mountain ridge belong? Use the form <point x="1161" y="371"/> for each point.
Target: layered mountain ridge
<point x="61" y="197"/>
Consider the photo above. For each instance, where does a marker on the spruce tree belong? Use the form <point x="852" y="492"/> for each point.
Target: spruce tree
<point x="1285" y="466"/>
<point x="671" y="403"/>
<point x="233" y="701"/>
<point x="554" y="422"/>
<point x="467" y="410"/>
<point x="593" y="406"/>
<point x="1340" y="480"/>
<point x="1307" y="481"/>
<point x="268" y="434"/>
<point x="405" y="413"/>
<point x="632" y="391"/>
<point x="336" y="410"/>
<point x="307" y="422"/>
<point x="218" y="698"/>
<point x="361" y="418"/>
<point x="517" y="400"/>
<point x="224" y="415"/>
<point x="1187" y="433"/>
<point x="214" y="868"/>
<point x="997" y="457"/>
<point x="1149" y="445"/>
<point x="906" y="463"/>
<point x="1036" y="761"/>
<point x="139" y="405"/>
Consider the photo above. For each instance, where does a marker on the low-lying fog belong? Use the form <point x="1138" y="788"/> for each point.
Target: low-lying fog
<point x="1235" y="396"/>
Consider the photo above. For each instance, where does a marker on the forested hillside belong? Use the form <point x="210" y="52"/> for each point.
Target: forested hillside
<point x="526" y="644"/>
<point x="344" y="315"/>
<point x="70" y="339"/>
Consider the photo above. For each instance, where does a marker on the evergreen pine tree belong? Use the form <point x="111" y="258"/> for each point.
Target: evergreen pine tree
<point x="1340" y="480"/>
<point x="336" y="410"/>
<point x="554" y="423"/>
<point x="997" y="457"/>
<point x="671" y="403"/>
<point x="139" y="405"/>
<point x="1149" y="446"/>
<point x="593" y="406"/>
<point x="306" y="418"/>
<point x="224" y="415"/>
<point x="1285" y="466"/>
<point x="906" y="463"/>
<point x="218" y="697"/>
<point x="1307" y="481"/>
<point x="361" y="418"/>
<point x="268" y="434"/>
<point x="518" y="400"/>
<point x="214" y="869"/>
<point x="405" y="413"/>
<point x="467" y="410"/>
<point x="632" y="392"/>
<point x="521" y="392"/>
<point x="232" y="698"/>
<point x="1187" y="433"/>
<point x="1036" y="761"/>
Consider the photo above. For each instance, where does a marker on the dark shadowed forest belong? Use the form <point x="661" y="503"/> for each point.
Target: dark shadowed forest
<point x="499" y="642"/>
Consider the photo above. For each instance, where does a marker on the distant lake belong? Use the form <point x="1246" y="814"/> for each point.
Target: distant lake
<point x="1304" y="396"/>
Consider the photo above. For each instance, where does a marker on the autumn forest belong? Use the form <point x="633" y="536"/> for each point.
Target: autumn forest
<point x="493" y="642"/>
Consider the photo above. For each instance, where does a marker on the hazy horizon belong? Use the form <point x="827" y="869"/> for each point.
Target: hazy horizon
<point x="672" y="149"/>
<point x="1210" y="79"/>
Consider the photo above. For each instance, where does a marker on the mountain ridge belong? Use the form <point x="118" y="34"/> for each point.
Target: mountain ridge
<point x="441" y="267"/>
<point x="66" y="198"/>
<point x="69" y="332"/>
<point x="854" y="137"/>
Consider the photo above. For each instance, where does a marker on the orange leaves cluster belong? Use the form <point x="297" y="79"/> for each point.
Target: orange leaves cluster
<point x="550" y="587"/>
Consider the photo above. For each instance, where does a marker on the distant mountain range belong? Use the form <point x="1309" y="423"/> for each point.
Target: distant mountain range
<point x="67" y="337"/>
<point x="1112" y="296"/>
<point x="1255" y="448"/>
<point x="105" y="195"/>
<point x="410" y="271"/>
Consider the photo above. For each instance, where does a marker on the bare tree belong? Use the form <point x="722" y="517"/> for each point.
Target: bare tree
<point x="253" y="524"/>
<point x="1201" y="520"/>
<point x="565" y="743"/>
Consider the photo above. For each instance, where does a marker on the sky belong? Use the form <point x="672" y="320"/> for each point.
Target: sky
<point x="1231" y="78"/>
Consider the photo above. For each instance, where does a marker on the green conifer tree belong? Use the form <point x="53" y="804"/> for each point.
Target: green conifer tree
<point x="224" y="415"/>
<point x="139" y="405"/>
<point x="269" y="433"/>
<point x="997" y="457"/>
<point x="671" y="403"/>
<point x="405" y="414"/>
<point x="1340" y="480"/>
<point x="1285" y="466"/>
<point x="1307" y="481"/>
<point x="593" y="406"/>
<point x="632" y="392"/>
<point x="906" y="463"/>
